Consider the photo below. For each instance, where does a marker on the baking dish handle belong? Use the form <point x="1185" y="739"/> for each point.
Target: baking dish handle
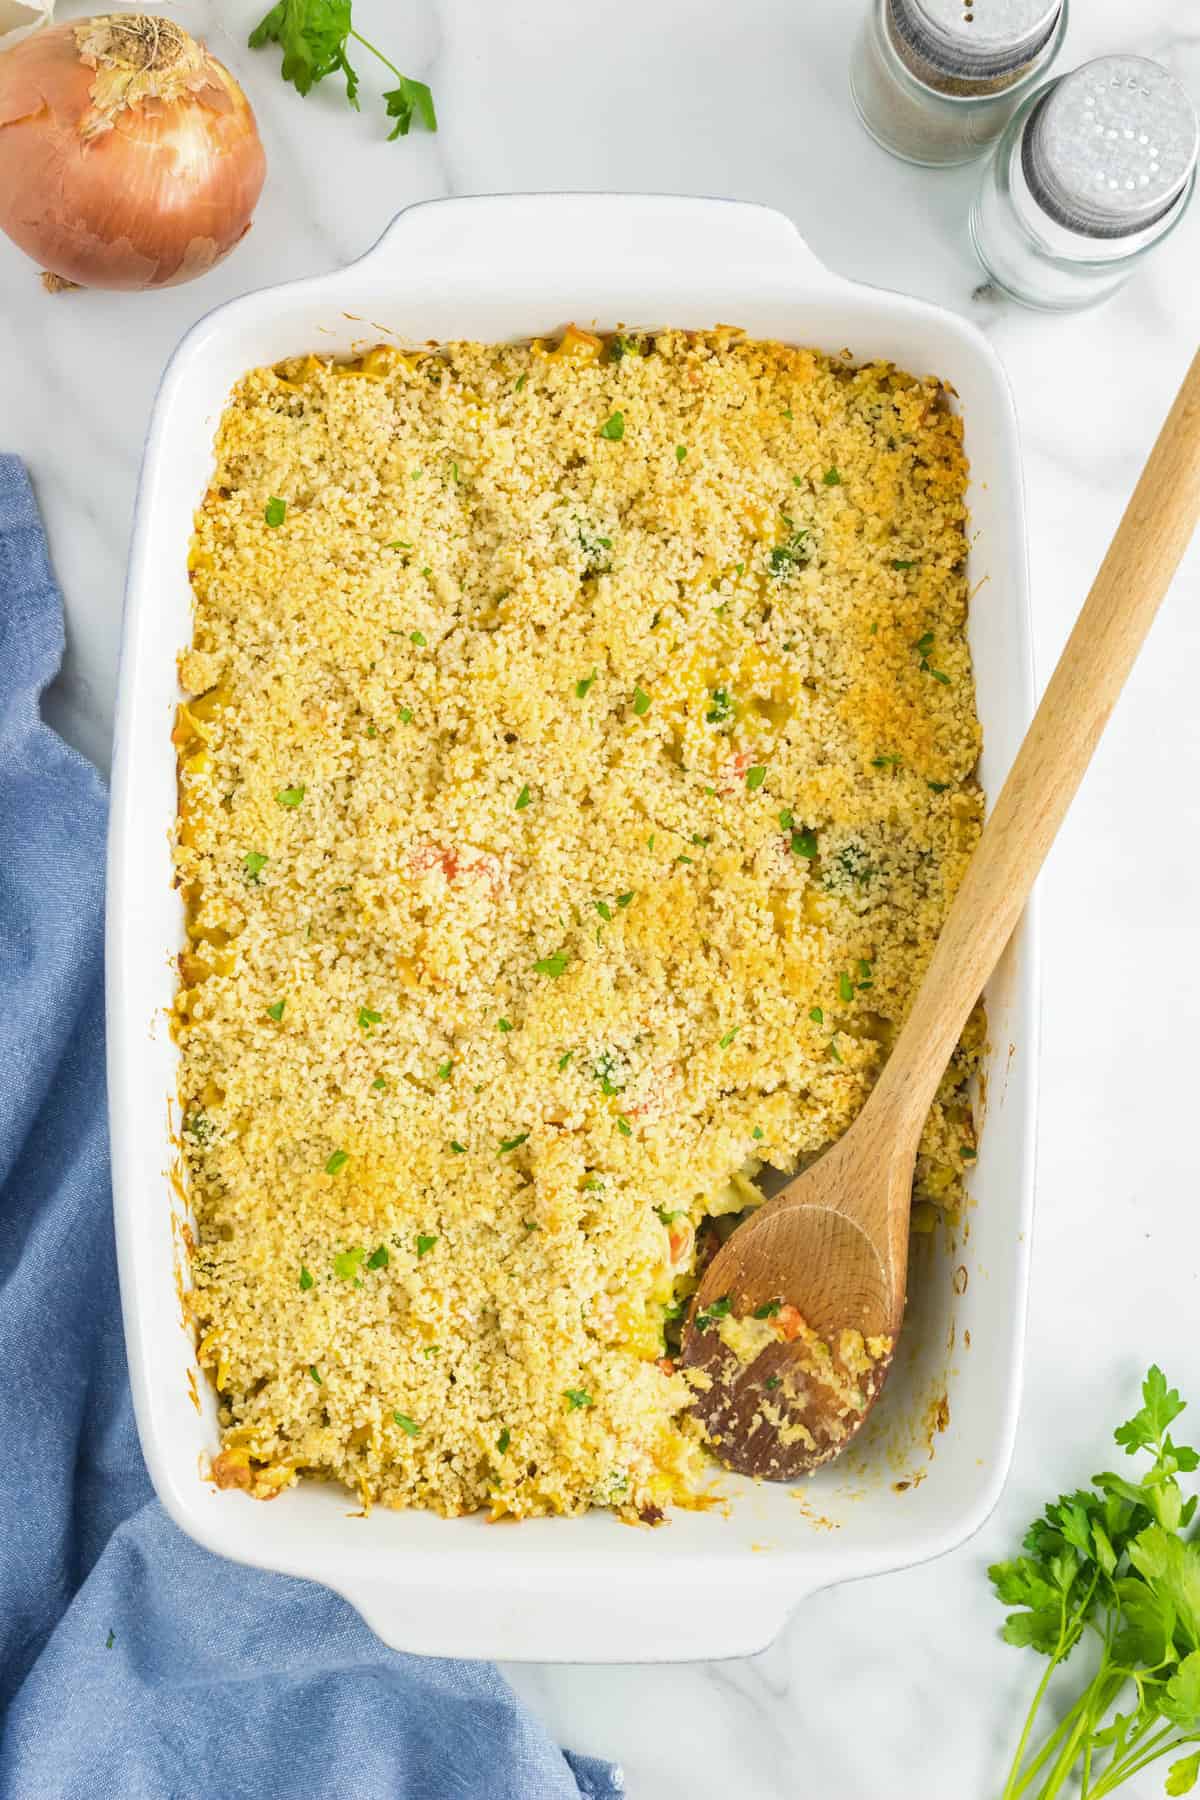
<point x="679" y="238"/>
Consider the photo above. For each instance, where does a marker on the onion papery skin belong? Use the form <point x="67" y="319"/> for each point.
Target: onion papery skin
<point x="108" y="185"/>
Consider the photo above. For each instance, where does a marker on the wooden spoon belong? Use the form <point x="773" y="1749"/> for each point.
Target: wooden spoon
<point x="828" y="1255"/>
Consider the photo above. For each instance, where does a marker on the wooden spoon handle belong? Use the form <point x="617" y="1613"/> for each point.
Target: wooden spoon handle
<point x="1118" y="612"/>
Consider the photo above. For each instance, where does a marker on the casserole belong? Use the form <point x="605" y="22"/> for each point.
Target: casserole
<point x="714" y="1583"/>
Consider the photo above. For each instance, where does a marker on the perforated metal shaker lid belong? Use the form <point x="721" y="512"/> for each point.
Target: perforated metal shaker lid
<point x="974" y="40"/>
<point x="1111" y="147"/>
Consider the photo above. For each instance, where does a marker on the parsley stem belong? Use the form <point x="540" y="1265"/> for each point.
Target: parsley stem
<point x="368" y="45"/>
<point x="1139" y="1757"/>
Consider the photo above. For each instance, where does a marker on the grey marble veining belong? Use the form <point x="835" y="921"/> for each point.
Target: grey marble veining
<point x="898" y="1688"/>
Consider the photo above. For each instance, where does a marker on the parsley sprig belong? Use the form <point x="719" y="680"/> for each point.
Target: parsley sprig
<point x="313" y="35"/>
<point x="1114" y="1561"/>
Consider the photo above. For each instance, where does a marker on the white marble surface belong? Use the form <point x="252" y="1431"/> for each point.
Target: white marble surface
<point x="898" y="1686"/>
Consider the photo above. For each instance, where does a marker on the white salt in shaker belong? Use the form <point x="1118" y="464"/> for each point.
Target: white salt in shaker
<point x="1094" y="171"/>
<point x="936" y="81"/>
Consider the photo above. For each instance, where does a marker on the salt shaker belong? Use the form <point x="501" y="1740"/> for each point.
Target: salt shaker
<point x="936" y="81"/>
<point x="1092" y="172"/>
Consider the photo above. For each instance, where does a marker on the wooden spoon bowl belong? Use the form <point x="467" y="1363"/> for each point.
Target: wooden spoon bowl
<point x="794" y="1326"/>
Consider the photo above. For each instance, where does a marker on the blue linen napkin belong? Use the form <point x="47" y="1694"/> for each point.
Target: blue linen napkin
<point x="133" y="1664"/>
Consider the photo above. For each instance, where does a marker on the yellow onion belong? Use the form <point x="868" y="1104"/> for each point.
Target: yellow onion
<point x="129" y="157"/>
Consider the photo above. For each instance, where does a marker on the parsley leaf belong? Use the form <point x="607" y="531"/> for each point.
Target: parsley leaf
<point x="254" y="862"/>
<point x="523" y="799"/>
<point x="337" y="1161"/>
<point x="641" y="702"/>
<point x="576" y="1398"/>
<point x="708" y="1315"/>
<point x="407" y="1425"/>
<point x="346" y="1264"/>
<point x="425" y="1244"/>
<point x="1113" y="1561"/>
<point x="275" y="1011"/>
<point x="367" y="1018"/>
<point x="582" y="686"/>
<point x="552" y="965"/>
<point x="289" y="796"/>
<point x="313" y="35"/>
<point x="306" y="1279"/>
<point x="503" y="1441"/>
<point x="513" y="1143"/>
<point x="613" y="428"/>
<point x="756" y="776"/>
<point x="275" y="511"/>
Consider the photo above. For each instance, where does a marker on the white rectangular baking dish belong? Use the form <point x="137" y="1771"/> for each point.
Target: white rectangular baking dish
<point x="709" y="1584"/>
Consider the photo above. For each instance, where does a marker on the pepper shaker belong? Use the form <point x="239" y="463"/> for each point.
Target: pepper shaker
<point x="936" y="81"/>
<point x="1093" y="171"/>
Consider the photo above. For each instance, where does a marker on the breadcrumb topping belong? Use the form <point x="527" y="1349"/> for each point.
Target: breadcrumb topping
<point x="577" y="774"/>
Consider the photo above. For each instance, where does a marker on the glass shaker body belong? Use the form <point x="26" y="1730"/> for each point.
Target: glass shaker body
<point x="1052" y="256"/>
<point x="932" y="114"/>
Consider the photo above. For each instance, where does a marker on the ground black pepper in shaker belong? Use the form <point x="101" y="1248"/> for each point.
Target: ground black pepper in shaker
<point x="936" y="81"/>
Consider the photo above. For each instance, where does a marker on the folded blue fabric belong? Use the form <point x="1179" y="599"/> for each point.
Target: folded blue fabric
<point x="133" y="1664"/>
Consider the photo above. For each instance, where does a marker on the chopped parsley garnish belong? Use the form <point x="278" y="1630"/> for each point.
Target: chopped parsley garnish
<point x="757" y="1132"/>
<point x="306" y="1279"/>
<point x="276" y="510"/>
<point x="756" y="776"/>
<point x="624" y="899"/>
<point x="564" y="1059"/>
<point x="791" y="554"/>
<point x="613" y="428"/>
<point x="289" y="796"/>
<point x="641" y="702"/>
<point x="405" y="715"/>
<point x="885" y="762"/>
<point x="768" y="1309"/>
<point x="110" y="1640"/>
<point x="513" y="1143"/>
<point x="276" y="1011"/>
<point x="425" y="1243"/>
<point x="454" y="474"/>
<point x="620" y="345"/>
<point x="786" y="819"/>
<point x="379" y="1084"/>
<point x="458" y="1149"/>
<point x="593" y="1183"/>
<point x="720" y="1309"/>
<point x="924" y="643"/>
<point x="503" y="1024"/>
<point x="315" y="1373"/>
<point x="773" y="1381"/>
<point x="379" y="1257"/>
<point x="604" y="909"/>
<point x="725" y="1042"/>
<point x="937" y="787"/>
<point x="668" y="1218"/>
<point x="816" y="1015"/>
<point x="864" y="971"/>
<point x="337" y="1161"/>
<point x="834" y="1051"/>
<point x="523" y="799"/>
<point x="503" y="1441"/>
<point x="684" y="859"/>
<point x="967" y="1153"/>
<point x="346" y="1264"/>
<point x="607" y="1070"/>
<point x="576" y="1398"/>
<point x="552" y="965"/>
<point x="939" y="675"/>
<point x="582" y="686"/>
<point x="398" y="544"/>
<point x="700" y="840"/>
<point x="898" y="563"/>
<point x="623" y="1126"/>
<point x="367" y="1018"/>
<point x="721" y="708"/>
<point x="804" y="843"/>
<point x="418" y="638"/>
<point x="445" y="1069"/>
<point x="680" y="452"/>
<point x="406" y="1424"/>
<point x="845" y="987"/>
<point x="254" y="862"/>
<point x="831" y="478"/>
